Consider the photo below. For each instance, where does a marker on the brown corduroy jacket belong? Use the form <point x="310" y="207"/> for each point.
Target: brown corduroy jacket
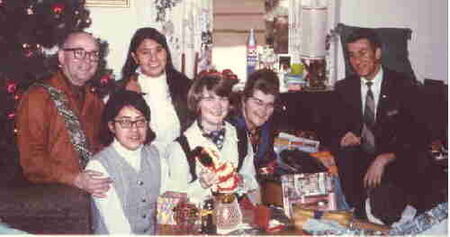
<point x="46" y="152"/>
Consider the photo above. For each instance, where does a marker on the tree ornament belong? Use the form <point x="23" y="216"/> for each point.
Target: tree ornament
<point x="11" y="115"/>
<point x="11" y="87"/>
<point x="30" y="10"/>
<point x="105" y="79"/>
<point x="29" y="50"/>
<point x="58" y="8"/>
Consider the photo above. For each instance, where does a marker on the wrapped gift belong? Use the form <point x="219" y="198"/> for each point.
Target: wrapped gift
<point x="288" y="141"/>
<point x="166" y="204"/>
<point x="313" y="191"/>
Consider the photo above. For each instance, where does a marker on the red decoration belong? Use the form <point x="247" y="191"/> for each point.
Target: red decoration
<point x="11" y="115"/>
<point x="11" y="87"/>
<point x="58" y="8"/>
<point x="227" y="73"/>
<point x="105" y="79"/>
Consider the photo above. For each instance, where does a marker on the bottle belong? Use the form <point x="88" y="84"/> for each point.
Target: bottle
<point x="251" y="52"/>
<point x="207" y="218"/>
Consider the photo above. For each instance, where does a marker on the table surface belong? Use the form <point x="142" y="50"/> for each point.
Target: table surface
<point x="174" y="230"/>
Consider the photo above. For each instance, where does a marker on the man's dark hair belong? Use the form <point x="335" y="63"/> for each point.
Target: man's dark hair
<point x="365" y="34"/>
<point x="116" y="102"/>
<point x="264" y="80"/>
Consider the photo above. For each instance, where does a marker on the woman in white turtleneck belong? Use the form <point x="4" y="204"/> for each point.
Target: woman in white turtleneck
<point x="133" y="164"/>
<point x="149" y="70"/>
<point x="165" y="122"/>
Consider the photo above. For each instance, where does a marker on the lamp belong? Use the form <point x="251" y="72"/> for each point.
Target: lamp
<point x="313" y="31"/>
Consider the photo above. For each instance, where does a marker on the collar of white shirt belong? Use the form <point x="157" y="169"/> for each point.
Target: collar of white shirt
<point x="130" y="156"/>
<point x="376" y="88"/>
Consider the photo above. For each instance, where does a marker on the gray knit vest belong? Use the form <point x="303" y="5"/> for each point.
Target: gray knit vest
<point x="137" y="191"/>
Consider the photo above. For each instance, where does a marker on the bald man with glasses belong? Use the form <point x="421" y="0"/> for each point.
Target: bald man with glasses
<point x="58" y="120"/>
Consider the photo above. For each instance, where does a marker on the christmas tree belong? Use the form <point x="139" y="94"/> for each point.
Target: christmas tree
<point x="30" y="31"/>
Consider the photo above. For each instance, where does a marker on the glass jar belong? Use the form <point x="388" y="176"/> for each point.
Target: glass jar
<point x="228" y="213"/>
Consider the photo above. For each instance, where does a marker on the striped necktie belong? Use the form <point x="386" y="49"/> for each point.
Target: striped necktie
<point x="368" y="138"/>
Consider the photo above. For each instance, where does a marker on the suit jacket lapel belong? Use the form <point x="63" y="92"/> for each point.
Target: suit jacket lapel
<point x="383" y="100"/>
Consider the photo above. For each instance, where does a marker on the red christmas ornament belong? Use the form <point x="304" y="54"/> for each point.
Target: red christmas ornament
<point x="11" y="115"/>
<point x="105" y="79"/>
<point x="58" y="8"/>
<point x="27" y="50"/>
<point x="11" y="87"/>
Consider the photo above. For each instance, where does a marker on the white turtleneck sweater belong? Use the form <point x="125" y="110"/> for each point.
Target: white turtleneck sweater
<point x="164" y="120"/>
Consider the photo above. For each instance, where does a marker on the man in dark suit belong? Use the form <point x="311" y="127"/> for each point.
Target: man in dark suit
<point x="375" y="131"/>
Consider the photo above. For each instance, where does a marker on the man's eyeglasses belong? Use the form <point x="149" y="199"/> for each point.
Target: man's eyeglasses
<point x="80" y="53"/>
<point x="258" y="102"/>
<point x="125" y="123"/>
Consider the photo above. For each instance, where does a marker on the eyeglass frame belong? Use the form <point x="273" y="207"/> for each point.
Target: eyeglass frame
<point x="85" y="53"/>
<point x="122" y="123"/>
<point x="210" y="99"/>
<point x="260" y="103"/>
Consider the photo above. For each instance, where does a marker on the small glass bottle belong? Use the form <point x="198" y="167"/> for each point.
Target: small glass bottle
<point x="208" y="225"/>
<point x="252" y="54"/>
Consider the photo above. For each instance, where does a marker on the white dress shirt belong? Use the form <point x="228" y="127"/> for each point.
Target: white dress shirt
<point x="164" y="120"/>
<point x="376" y="89"/>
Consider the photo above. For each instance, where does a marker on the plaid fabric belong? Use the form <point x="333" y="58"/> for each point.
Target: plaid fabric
<point x="216" y="137"/>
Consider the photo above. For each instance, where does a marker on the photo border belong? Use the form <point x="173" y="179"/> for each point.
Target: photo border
<point x="108" y="3"/>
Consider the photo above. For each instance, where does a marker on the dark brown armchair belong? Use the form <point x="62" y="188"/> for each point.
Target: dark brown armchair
<point x="40" y="208"/>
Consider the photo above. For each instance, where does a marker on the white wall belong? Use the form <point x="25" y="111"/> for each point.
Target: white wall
<point x="117" y="26"/>
<point x="427" y="20"/>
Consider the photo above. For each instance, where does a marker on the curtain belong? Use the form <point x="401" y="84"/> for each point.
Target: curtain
<point x="187" y="25"/>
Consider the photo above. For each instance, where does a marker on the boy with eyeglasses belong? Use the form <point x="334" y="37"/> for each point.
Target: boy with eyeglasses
<point x="58" y="120"/>
<point x="132" y="161"/>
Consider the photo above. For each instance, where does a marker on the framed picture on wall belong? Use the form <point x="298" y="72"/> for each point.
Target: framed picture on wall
<point x="284" y="63"/>
<point x="108" y="3"/>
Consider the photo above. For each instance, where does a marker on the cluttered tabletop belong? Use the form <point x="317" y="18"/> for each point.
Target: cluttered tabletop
<point x="299" y="195"/>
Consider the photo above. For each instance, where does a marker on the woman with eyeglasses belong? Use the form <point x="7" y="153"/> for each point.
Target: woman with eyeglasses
<point x="133" y="165"/>
<point x="209" y="99"/>
<point x="149" y="70"/>
<point x="254" y="112"/>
